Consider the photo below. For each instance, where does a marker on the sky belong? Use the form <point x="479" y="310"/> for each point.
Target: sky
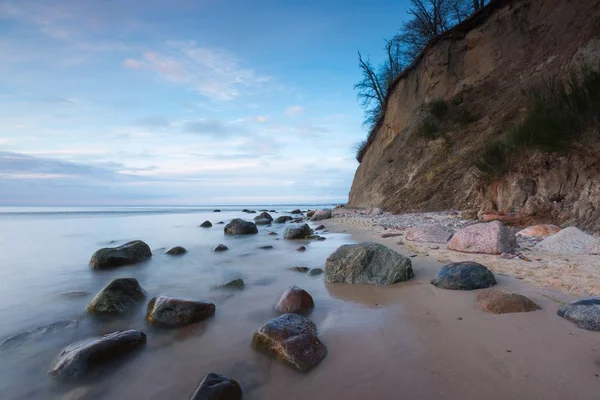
<point x="109" y="102"/>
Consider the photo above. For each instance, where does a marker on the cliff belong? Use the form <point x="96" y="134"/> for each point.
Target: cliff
<point x="476" y="75"/>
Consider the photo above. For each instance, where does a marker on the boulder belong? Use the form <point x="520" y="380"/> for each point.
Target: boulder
<point x="570" y="240"/>
<point x="176" y="251"/>
<point x="584" y="313"/>
<point x="129" y="253"/>
<point x="206" y="224"/>
<point x="315" y="272"/>
<point x="283" y="219"/>
<point x="310" y="213"/>
<point x="297" y="232"/>
<point x="234" y="284"/>
<point x="217" y="387"/>
<point x="367" y="262"/>
<point x="543" y="230"/>
<point x="296" y="211"/>
<point x="264" y="215"/>
<point x="167" y="311"/>
<point x="262" y="221"/>
<point x="38" y="333"/>
<point x="295" y="300"/>
<point x="220" y="223"/>
<point x="117" y="297"/>
<point x="433" y="233"/>
<point x="301" y="248"/>
<point x="221" y="247"/>
<point x="320" y="228"/>
<point x="465" y="275"/>
<point x="300" y="269"/>
<point x="78" y="359"/>
<point x="487" y="238"/>
<point x="240" y="227"/>
<point x="497" y="301"/>
<point x="321" y="215"/>
<point x="293" y="339"/>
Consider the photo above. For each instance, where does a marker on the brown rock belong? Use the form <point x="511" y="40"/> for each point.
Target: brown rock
<point x="498" y="301"/>
<point x="543" y="230"/>
<point x="295" y="300"/>
<point x="171" y="312"/>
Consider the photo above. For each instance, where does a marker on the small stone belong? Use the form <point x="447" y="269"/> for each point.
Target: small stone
<point x="273" y="233"/>
<point x="391" y="234"/>
<point x="320" y="228"/>
<point x="434" y="247"/>
<point x="300" y="269"/>
<point x="268" y="247"/>
<point x="295" y="300"/>
<point x="400" y="242"/>
<point x="497" y="301"/>
<point x="206" y="224"/>
<point x="220" y="223"/>
<point x="217" y="387"/>
<point x="176" y="251"/>
<point x="296" y="211"/>
<point x="221" y="247"/>
<point x="216" y="210"/>
<point x="524" y="257"/>
<point x="301" y="248"/>
<point x="315" y="272"/>
<point x="234" y="284"/>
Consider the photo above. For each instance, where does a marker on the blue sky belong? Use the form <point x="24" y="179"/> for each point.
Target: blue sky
<point x="183" y="101"/>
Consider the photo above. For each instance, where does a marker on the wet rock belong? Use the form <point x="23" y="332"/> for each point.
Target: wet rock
<point x="264" y="215"/>
<point x="584" y="313"/>
<point x="283" y="219"/>
<point x="295" y="300"/>
<point x="321" y="215"/>
<point x="300" y="269"/>
<point x="78" y="359"/>
<point x="543" y="230"/>
<point x="466" y="275"/>
<point x="167" y="311"/>
<point x="221" y="247"/>
<point x="117" y="297"/>
<point x="37" y="333"/>
<point x="268" y="247"/>
<point x="245" y="210"/>
<point x="74" y="293"/>
<point x="301" y="248"/>
<point x="320" y="228"/>
<point x="216" y="210"/>
<point x="487" y="238"/>
<point x="369" y="263"/>
<point x="272" y="211"/>
<point x="234" y="284"/>
<point x="217" y="387"/>
<point x="293" y="339"/>
<point x="273" y="233"/>
<point x="315" y="237"/>
<point x="297" y="232"/>
<point x="570" y="240"/>
<point x="310" y="213"/>
<point x="497" y="301"/>
<point x="176" y="251"/>
<point x="240" y="227"/>
<point x="206" y="224"/>
<point x="220" y="223"/>
<point x="315" y="272"/>
<point x="433" y="233"/>
<point x="296" y="211"/>
<point x="298" y="220"/>
<point x="129" y="253"/>
<point x="262" y="221"/>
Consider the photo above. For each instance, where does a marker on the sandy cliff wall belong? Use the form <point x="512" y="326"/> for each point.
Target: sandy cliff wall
<point x="481" y="69"/>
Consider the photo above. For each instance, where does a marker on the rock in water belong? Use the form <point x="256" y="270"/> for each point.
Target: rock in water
<point x="543" y="230"/>
<point x="221" y="247"/>
<point x="240" y="227"/>
<point x="234" y="284"/>
<point x="295" y="300"/>
<point x="167" y="311"/>
<point x="297" y="232"/>
<point x="296" y="211"/>
<point x="301" y="248"/>
<point x="320" y="228"/>
<point x="217" y="387"/>
<point x="584" y="313"/>
<point x="502" y="302"/>
<point x="176" y="251"/>
<point x="80" y="358"/>
<point x="570" y="240"/>
<point x="264" y="215"/>
<point x="293" y="339"/>
<point x="117" y="297"/>
<point x="315" y="272"/>
<point x="487" y="238"/>
<point x="262" y="221"/>
<point x="367" y="262"/>
<point x="216" y="210"/>
<point x="300" y="269"/>
<point x="466" y="275"/>
<point x="310" y="213"/>
<point x="37" y="333"/>
<point x="206" y="224"/>
<point x="283" y="219"/>
<point x="433" y="233"/>
<point x="321" y="215"/>
<point x="129" y="253"/>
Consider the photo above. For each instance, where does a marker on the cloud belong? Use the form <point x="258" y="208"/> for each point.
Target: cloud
<point x="261" y="119"/>
<point x="293" y="110"/>
<point x="153" y="122"/>
<point x="214" y="127"/>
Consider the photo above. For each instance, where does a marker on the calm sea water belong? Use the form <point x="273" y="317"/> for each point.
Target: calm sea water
<point x="45" y="251"/>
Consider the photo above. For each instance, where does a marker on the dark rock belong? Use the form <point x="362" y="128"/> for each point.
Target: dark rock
<point x="300" y="269"/>
<point x="268" y="247"/>
<point x="117" y="297"/>
<point x="320" y="228"/>
<point x="315" y="237"/>
<point x="220" y="223"/>
<point x="502" y="302"/>
<point x="310" y="213"/>
<point x="321" y="215"/>
<point x="129" y="253"/>
<point x="298" y="220"/>
<point x="251" y="212"/>
<point x="283" y="219"/>
<point x="273" y="233"/>
<point x="367" y="262"/>
<point x="295" y="300"/>
<point x="301" y="248"/>
<point x="245" y="210"/>
<point x="240" y="227"/>
<point x="217" y="211"/>
<point x="297" y="232"/>
<point x="221" y="247"/>
<point x="272" y="211"/>
<point x="315" y="272"/>
<point x="37" y="333"/>
<point x="78" y="359"/>
<point x="206" y="224"/>
<point x="293" y="339"/>
<point x="465" y="275"/>
<point x="584" y="313"/>
<point x="217" y="387"/>
<point x="171" y="312"/>
<point x="234" y="284"/>
<point x="296" y="211"/>
<point x="176" y="251"/>
<point x="264" y="215"/>
<point x="262" y="221"/>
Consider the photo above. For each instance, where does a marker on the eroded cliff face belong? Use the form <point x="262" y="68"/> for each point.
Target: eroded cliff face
<point x="481" y="69"/>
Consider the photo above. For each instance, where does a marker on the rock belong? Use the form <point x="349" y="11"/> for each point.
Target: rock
<point x="206" y="224"/>
<point x="234" y="284"/>
<point x="74" y="293"/>
<point x="297" y="232"/>
<point x="268" y="247"/>
<point x="321" y="215"/>
<point x="315" y="237"/>
<point x="262" y="221"/>
<point x="497" y="301"/>
<point x="315" y="272"/>
<point x="298" y="220"/>
<point x="310" y="213"/>
<point x="487" y="238"/>
<point x="523" y="257"/>
<point x="391" y="234"/>
<point x="300" y="269"/>
<point x="434" y="247"/>
<point x="129" y="253"/>
<point x="272" y="211"/>
<point x="367" y="262"/>
<point x="117" y="297"/>
<point x="37" y="333"/>
<point x="273" y="233"/>
<point x="78" y="359"/>
<point x="465" y="275"/>
<point x="570" y="240"/>
<point x="167" y="311"/>
<point x="217" y="387"/>
<point x="584" y="313"/>
<point x="507" y="256"/>
<point x="296" y="211"/>
<point x="283" y="219"/>
<point x="499" y="217"/>
<point x="543" y="230"/>
<point x="216" y="210"/>
<point x="245" y="210"/>
<point x="264" y="215"/>
<point x="592" y="248"/>
<point x="433" y="233"/>
<point x="293" y="339"/>
<point x="301" y="248"/>
<point x="176" y="251"/>
<point x="240" y="227"/>
<point x="221" y="247"/>
<point x="295" y="300"/>
<point x="376" y="211"/>
<point x="320" y="228"/>
<point x="220" y="223"/>
<point x="251" y="212"/>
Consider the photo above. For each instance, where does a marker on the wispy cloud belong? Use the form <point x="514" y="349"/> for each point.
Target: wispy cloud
<point x="214" y="127"/>
<point x="294" y="110"/>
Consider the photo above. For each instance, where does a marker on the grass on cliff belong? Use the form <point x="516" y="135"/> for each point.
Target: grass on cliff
<point x="558" y="116"/>
<point x="360" y="150"/>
